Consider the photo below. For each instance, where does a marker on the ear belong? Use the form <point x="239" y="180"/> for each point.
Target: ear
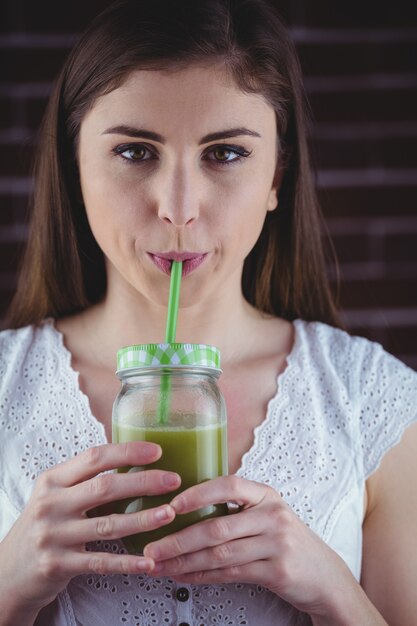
<point x="272" y="203"/>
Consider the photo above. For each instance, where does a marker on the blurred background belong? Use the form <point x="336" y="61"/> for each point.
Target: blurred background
<point x="360" y="67"/>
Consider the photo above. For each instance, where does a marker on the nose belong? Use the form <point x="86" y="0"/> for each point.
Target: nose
<point x="179" y="197"/>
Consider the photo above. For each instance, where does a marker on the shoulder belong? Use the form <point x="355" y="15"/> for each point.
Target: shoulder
<point x="377" y="384"/>
<point x="364" y="359"/>
<point x="20" y="346"/>
<point x="13" y="340"/>
<point x="380" y="390"/>
<point x="29" y="357"/>
<point x="329" y="341"/>
<point x="14" y="347"/>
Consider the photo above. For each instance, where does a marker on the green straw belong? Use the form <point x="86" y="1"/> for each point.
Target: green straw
<point x="173" y="301"/>
<point x="171" y="330"/>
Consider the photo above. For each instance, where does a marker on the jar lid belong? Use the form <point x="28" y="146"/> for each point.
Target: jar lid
<point x="168" y="354"/>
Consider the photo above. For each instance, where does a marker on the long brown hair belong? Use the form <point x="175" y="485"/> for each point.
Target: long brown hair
<point x="63" y="268"/>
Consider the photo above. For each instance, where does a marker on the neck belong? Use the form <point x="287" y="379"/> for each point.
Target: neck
<point x="125" y="317"/>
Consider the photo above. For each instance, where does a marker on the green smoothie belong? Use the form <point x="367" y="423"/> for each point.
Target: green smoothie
<point x="196" y="454"/>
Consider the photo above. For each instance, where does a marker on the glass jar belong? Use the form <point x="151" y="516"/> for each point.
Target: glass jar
<point x="170" y="396"/>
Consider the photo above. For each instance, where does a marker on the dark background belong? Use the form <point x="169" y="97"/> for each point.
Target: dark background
<point x="360" y="66"/>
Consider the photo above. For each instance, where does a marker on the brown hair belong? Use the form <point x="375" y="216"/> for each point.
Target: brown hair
<point x="63" y="268"/>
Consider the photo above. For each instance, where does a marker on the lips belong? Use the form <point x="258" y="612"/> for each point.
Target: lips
<point x="190" y="260"/>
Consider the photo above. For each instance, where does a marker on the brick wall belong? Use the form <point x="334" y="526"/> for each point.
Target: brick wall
<point x="361" y="77"/>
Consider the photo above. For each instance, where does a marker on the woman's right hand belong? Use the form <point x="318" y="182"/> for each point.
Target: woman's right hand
<point x="46" y="546"/>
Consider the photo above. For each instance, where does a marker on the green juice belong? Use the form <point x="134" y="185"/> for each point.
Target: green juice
<point x="196" y="454"/>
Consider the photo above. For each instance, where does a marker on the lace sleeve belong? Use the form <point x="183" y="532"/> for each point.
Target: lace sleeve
<point x="386" y="393"/>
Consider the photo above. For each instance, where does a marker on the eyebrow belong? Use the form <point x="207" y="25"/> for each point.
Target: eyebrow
<point x="227" y="134"/>
<point x="141" y="133"/>
<point x="134" y="132"/>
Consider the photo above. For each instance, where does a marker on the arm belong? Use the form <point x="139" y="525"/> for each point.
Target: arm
<point x="389" y="574"/>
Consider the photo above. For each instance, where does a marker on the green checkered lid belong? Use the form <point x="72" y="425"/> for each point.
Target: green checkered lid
<point x="168" y="354"/>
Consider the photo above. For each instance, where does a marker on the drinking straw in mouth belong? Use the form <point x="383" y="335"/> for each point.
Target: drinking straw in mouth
<point x="173" y="301"/>
<point x="171" y="329"/>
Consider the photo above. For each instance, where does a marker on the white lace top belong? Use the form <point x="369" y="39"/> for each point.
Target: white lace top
<point x="341" y="403"/>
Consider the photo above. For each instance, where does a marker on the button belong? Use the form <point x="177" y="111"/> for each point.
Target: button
<point x="184" y="624"/>
<point x="182" y="595"/>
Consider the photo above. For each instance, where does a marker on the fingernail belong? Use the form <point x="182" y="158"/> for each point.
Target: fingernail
<point x="144" y="564"/>
<point x="162" y="514"/>
<point x="149" y="449"/>
<point x="170" y="480"/>
<point x="177" y="503"/>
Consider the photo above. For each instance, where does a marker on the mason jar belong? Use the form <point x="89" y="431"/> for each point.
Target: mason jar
<point x="169" y="395"/>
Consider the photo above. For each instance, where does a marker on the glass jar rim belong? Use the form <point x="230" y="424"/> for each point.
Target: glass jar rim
<point x="142" y="370"/>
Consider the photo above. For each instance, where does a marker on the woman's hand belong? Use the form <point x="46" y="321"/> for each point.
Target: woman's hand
<point x="264" y="543"/>
<point x="46" y="546"/>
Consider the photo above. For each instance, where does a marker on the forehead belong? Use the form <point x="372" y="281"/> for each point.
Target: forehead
<point x="194" y="96"/>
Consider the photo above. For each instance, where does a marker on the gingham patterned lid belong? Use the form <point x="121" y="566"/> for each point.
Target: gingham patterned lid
<point x="162" y="354"/>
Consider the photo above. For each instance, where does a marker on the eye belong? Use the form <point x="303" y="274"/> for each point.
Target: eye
<point x="225" y="154"/>
<point x="134" y="152"/>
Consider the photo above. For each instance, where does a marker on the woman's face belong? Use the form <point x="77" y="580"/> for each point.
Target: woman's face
<point x="178" y="165"/>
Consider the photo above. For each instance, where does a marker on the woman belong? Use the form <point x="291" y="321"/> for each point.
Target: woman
<point x="177" y="129"/>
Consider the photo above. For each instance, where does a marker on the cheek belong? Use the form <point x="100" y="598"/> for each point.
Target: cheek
<point x="241" y="220"/>
<point x="99" y="189"/>
<point x="110" y="201"/>
<point x="246" y="205"/>
<point x="107" y="213"/>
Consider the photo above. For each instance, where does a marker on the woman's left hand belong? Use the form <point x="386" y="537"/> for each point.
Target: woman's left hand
<point x="264" y="543"/>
